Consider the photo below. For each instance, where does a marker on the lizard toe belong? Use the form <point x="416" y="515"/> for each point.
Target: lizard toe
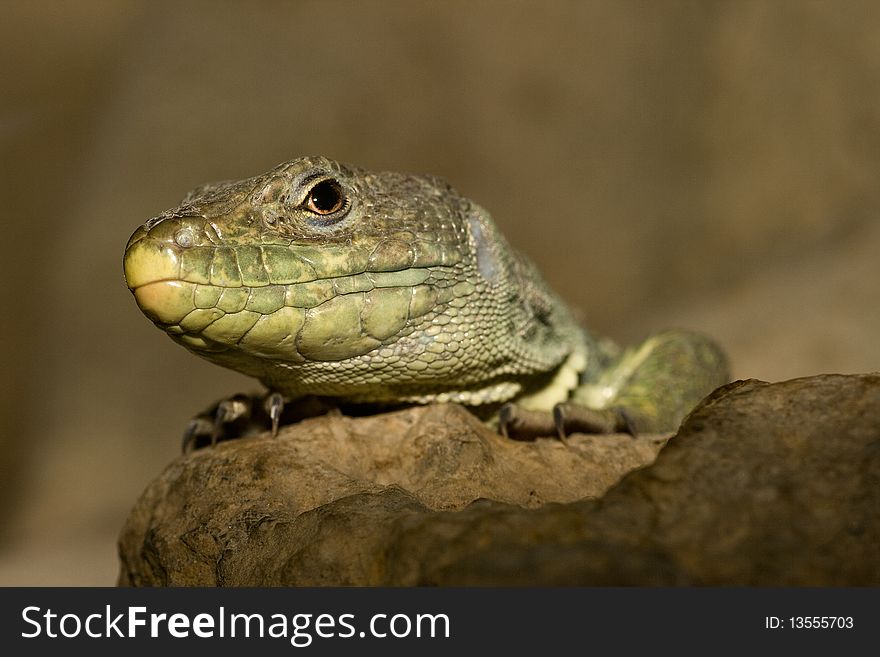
<point x="518" y="423"/>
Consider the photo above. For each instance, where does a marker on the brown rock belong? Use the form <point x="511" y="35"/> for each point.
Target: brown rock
<point x="247" y="511"/>
<point x="765" y="484"/>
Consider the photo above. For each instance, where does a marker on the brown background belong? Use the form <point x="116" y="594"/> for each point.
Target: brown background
<point x="703" y="164"/>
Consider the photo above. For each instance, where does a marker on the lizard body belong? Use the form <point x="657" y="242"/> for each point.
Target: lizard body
<point x="323" y="279"/>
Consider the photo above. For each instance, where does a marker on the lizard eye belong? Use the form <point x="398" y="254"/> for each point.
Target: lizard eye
<point x="326" y="198"/>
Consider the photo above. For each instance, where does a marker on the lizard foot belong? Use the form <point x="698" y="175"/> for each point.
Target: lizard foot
<point x="247" y="415"/>
<point x="518" y="423"/>
<point x="572" y="418"/>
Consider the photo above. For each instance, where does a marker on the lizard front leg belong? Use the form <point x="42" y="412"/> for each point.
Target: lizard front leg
<point x="647" y="389"/>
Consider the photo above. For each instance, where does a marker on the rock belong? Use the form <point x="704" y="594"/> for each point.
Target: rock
<point x="764" y="484"/>
<point x="247" y="510"/>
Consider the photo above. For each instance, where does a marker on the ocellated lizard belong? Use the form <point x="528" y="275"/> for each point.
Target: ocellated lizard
<point x="321" y="279"/>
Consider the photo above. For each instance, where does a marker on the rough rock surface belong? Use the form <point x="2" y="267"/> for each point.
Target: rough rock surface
<point x="241" y="512"/>
<point x="764" y="484"/>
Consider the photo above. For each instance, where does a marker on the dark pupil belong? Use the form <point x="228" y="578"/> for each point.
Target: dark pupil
<point x="325" y="197"/>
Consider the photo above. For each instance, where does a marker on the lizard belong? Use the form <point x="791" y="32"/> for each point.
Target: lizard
<point x="327" y="281"/>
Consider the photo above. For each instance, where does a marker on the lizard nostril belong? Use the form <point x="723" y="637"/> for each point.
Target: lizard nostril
<point x="184" y="238"/>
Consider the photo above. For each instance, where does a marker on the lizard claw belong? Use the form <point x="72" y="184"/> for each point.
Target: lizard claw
<point x="559" y="422"/>
<point x="198" y="426"/>
<point x="228" y="411"/>
<point x="223" y="420"/>
<point x="505" y="418"/>
<point x="625" y="422"/>
<point x="274" y="405"/>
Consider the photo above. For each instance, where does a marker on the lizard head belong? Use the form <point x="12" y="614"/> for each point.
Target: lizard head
<point x="311" y="263"/>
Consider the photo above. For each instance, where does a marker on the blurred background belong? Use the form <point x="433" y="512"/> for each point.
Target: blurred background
<point x="703" y="164"/>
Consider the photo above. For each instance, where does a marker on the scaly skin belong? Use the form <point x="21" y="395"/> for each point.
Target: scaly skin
<point x="322" y="279"/>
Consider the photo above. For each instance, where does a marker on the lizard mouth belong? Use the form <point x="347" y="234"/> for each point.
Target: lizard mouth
<point x="331" y="319"/>
<point x="321" y="319"/>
